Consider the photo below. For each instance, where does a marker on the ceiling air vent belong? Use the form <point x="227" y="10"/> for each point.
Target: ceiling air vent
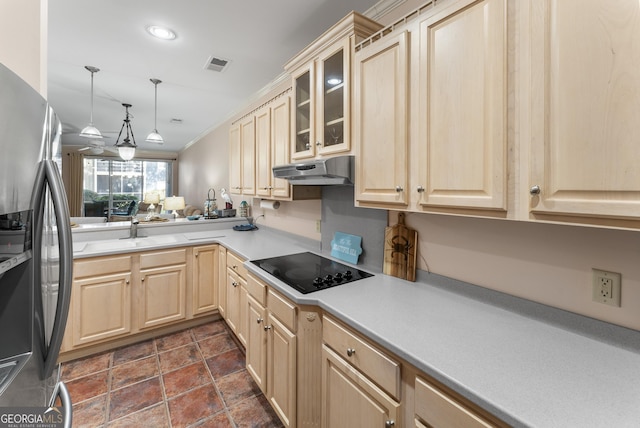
<point x="216" y="64"/>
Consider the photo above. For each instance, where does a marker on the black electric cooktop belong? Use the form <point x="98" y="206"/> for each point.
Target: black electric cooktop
<point x="308" y="272"/>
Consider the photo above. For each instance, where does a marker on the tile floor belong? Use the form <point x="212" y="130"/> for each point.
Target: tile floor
<point x="193" y="378"/>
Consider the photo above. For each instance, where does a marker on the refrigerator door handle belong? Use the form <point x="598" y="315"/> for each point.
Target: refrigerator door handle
<point x="61" y="209"/>
<point x="65" y="400"/>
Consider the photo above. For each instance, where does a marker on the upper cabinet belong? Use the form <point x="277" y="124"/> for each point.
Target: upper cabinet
<point x="321" y="78"/>
<point x="583" y="89"/>
<point x="242" y="157"/>
<point x="462" y="110"/>
<point x="381" y="96"/>
<point x="430" y="111"/>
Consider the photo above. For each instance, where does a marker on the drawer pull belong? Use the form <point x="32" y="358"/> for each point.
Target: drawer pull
<point x="235" y="284"/>
<point x="259" y="320"/>
<point x="388" y="424"/>
<point x="350" y="352"/>
<point x="535" y="190"/>
<point x="420" y="189"/>
<point x="267" y="327"/>
<point x="399" y="189"/>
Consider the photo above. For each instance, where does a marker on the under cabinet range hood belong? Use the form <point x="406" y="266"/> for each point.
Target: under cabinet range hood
<point x="337" y="170"/>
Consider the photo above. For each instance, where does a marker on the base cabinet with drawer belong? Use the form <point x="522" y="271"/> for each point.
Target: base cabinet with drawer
<point x="271" y="348"/>
<point x="236" y="297"/>
<point x="120" y="299"/>
<point x="360" y="383"/>
<point x="101" y="296"/>
<point x="162" y="287"/>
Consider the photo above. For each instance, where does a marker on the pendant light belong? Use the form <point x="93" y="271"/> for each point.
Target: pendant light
<point x="154" y="137"/>
<point x="126" y="149"/>
<point x="91" y="131"/>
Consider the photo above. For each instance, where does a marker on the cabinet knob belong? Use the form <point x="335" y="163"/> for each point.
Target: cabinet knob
<point x="390" y="423"/>
<point x="307" y="146"/>
<point x="235" y="284"/>
<point x="420" y="189"/>
<point x="234" y="267"/>
<point x="196" y="254"/>
<point x="535" y="190"/>
<point x="350" y="352"/>
<point x="399" y="189"/>
<point x="259" y="320"/>
<point x="142" y="280"/>
<point x="127" y="281"/>
<point x="318" y="143"/>
<point x="267" y="327"/>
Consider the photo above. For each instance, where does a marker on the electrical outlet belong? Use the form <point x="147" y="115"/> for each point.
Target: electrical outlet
<point x="606" y="287"/>
<point x="318" y="226"/>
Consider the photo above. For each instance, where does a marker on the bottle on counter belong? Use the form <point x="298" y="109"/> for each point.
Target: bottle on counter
<point x="244" y="209"/>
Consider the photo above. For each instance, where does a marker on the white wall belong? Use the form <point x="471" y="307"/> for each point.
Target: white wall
<point x="546" y="263"/>
<point x="23" y="40"/>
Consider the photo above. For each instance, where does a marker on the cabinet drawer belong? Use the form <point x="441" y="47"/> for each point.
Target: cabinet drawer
<point x="235" y="263"/>
<point x="282" y="309"/>
<point x="436" y="408"/>
<point x="257" y="289"/>
<point x="101" y="266"/>
<point x="370" y="360"/>
<point x="163" y="258"/>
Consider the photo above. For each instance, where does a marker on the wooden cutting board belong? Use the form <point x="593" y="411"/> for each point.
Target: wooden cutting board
<point x="400" y="250"/>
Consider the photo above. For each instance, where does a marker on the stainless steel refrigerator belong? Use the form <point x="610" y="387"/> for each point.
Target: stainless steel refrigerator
<point x="35" y="250"/>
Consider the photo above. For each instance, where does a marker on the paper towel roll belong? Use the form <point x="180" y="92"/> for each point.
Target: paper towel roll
<point x="269" y="205"/>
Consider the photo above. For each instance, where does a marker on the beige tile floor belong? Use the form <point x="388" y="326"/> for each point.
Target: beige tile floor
<point x="193" y="378"/>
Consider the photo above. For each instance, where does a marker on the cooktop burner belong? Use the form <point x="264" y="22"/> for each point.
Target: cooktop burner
<point x="308" y="272"/>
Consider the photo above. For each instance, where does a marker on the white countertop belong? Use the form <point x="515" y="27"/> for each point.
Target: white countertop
<point x="528" y="364"/>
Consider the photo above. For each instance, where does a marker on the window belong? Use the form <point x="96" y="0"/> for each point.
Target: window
<point x="111" y="185"/>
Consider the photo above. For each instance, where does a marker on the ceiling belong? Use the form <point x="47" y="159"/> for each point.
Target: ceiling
<point x="257" y="37"/>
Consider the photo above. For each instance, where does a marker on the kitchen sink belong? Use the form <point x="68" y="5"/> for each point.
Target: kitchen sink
<point x="127" y="243"/>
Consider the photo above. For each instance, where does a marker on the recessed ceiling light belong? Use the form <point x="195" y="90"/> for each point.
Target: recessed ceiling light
<point x="334" y="81"/>
<point x="163" y="33"/>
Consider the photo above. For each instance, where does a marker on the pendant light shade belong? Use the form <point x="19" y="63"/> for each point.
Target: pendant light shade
<point x="126" y="148"/>
<point x="91" y="131"/>
<point x="155" y="137"/>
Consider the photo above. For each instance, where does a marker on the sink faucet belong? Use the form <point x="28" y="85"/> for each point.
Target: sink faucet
<point x="133" y="231"/>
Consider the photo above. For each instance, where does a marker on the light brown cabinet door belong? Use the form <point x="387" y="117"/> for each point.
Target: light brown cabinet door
<point x="222" y="282"/>
<point x="100" y="308"/>
<point x="332" y="119"/>
<point x="585" y="109"/>
<point x="350" y="400"/>
<point x="257" y="343"/>
<point x="205" y="279"/>
<point x="281" y="371"/>
<point x="233" y="284"/>
<point x="463" y="106"/>
<point x="248" y="156"/>
<point x="162" y="295"/>
<point x="280" y="144"/>
<point x="235" y="160"/>
<point x="303" y="134"/>
<point x="381" y="120"/>
<point x="263" y="152"/>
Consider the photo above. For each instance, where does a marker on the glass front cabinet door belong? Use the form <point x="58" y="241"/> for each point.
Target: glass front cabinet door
<point x="321" y="76"/>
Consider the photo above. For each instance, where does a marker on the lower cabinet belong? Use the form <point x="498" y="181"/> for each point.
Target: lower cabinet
<point x="100" y="307"/>
<point x="162" y="287"/>
<point x="436" y="408"/>
<point x="236" y="295"/>
<point x="271" y="348"/>
<point x="361" y="385"/>
<point x="205" y="262"/>
<point x="350" y="399"/>
<point x="116" y="297"/>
